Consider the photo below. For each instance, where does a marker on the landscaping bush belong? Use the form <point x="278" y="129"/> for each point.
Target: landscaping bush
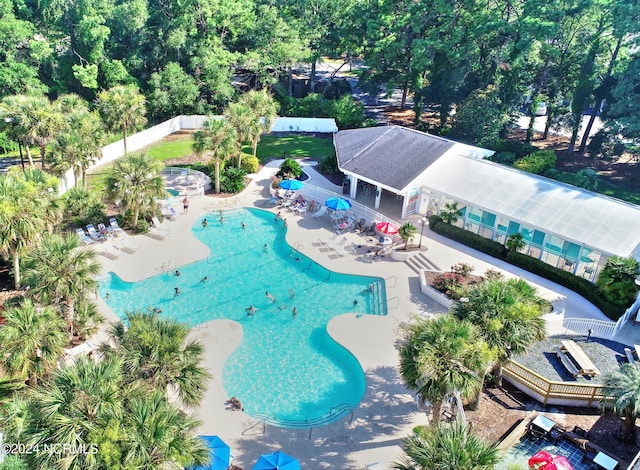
<point x="616" y="281"/>
<point x="537" y="162"/>
<point x="250" y="164"/>
<point x="473" y="240"/>
<point x="328" y="164"/>
<point x="504" y="156"/>
<point x="289" y="169"/>
<point x="232" y="180"/>
<point x="577" y="284"/>
<point x="520" y="149"/>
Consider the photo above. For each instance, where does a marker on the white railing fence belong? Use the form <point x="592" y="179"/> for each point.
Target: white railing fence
<point x="582" y="326"/>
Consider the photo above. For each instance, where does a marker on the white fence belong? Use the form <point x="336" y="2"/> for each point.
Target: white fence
<point x="582" y="326"/>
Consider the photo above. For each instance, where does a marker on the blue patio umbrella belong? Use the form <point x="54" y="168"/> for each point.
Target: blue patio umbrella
<point x="276" y="461"/>
<point x="337" y="204"/>
<point x="291" y="185"/>
<point x="219" y="453"/>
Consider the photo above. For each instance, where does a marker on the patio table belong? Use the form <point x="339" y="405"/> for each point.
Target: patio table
<point x="585" y="366"/>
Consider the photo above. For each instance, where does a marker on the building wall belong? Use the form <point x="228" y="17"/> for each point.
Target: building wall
<point x="564" y="254"/>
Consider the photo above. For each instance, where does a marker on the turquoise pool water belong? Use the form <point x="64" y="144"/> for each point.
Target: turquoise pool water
<point x="287" y="369"/>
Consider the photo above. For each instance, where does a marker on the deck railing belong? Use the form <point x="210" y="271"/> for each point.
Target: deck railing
<point x="599" y="328"/>
<point x="540" y="386"/>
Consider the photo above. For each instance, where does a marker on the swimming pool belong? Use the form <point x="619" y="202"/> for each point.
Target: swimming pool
<point x="287" y="370"/>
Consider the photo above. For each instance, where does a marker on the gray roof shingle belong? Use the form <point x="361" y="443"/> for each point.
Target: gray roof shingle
<point x="392" y="155"/>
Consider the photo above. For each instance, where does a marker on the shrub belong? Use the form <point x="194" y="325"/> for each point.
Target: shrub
<point x="564" y="278"/>
<point x="328" y="164"/>
<point x="520" y="149"/>
<point x="434" y="220"/>
<point x="616" y="281"/>
<point x="142" y="227"/>
<point x="473" y="240"/>
<point x="232" y="180"/>
<point x="537" y="162"/>
<point x="587" y="178"/>
<point x="504" y="156"/>
<point x="250" y="164"/>
<point x="289" y="169"/>
<point x="448" y="283"/>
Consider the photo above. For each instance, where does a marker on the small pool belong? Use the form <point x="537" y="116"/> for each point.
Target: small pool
<point x="173" y="192"/>
<point x="287" y="369"/>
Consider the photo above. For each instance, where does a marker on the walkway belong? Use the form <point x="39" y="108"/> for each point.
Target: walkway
<point x="387" y="412"/>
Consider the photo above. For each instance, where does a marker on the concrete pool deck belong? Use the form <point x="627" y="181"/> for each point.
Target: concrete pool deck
<point x="387" y="413"/>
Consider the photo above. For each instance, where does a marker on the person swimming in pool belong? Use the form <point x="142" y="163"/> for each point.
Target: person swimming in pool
<point x="294" y="312"/>
<point x="251" y="310"/>
<point x="270" y="297"/>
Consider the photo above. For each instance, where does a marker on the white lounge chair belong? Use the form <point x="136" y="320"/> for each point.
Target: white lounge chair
<point x="156" y="231"/>
<point x="115" y="228"/>
<point x="320" y="212"/>
<point x="83" y="237"/>
<point x="93" y="233"/>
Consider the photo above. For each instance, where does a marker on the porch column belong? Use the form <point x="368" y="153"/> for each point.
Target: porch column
<point x="378" y="196"/>
<point x="353" y="191"/>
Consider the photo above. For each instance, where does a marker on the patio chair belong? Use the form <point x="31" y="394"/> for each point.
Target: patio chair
<point x="360" y="225"/>
<point x="344" y="226"/>
<point x="93" y="233"/>
<point x="343" y="249"/>
<point x="103" y="230"/>
<point x="83" y="237"/>
<point x="370" y="230"/>
<point x="320" y="212"/>
<point x="117" y="231"/>
<point x="301" y="210"/>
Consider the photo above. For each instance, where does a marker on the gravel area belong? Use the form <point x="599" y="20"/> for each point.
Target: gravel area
<point x="606" y="355"/>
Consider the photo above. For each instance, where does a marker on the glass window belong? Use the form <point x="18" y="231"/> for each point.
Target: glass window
<point x="501" y="230"/>
<point x="474" y="216"/>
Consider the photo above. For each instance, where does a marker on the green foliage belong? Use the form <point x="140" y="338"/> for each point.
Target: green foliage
<point x="520" y="149"/>
<point x="473" y="240"/>
<point x="232" y="180"/>
<point x="290" y="168"/>
<point x="622" y="389"/>
<point x="587" y="178"/>
<point x="176" y="147"/>
<point x="328" y="164"/>
<point x="13" y="462"/>
<point x="407" y="232"/>
<point x="250" y="164"/>
<point x="480" y="117"/>
<point x="504" y="157"/>
<point x="83" y="207"/>
<point x="451" y="212"/>
<point x="564" y="278"/>
<point x="515" y="242"/>
<point x="173" y="92"/>
<point x="537" y="162"/>
<point x="616" y="281"/>
<point x="348" y="113"/>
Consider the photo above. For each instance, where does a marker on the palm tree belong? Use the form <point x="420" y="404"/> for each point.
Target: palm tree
<point x="74" y="408"/>
<point x="508" y="315"/>
<point x="246" y="123"/>
<point x="60" y="271"/>
<point x="158" y="352"/>
<point x="134" y="182"/>
<point x="441" y="356"/>
<point x="28" y="210"/>
<point x="451" y="213"/>
<point x="160" y="434"/>
<point x="447" y="447"/>
<point x="622" y="390"/>
<point x="265" y="108"/>
<point x="32" y="339"/>
<point x="407" y="232"/>
<point x="515" y="242"/>
<point x="78" y="144"/>
<point x="19" y="111"/>
<point x="217" y="138"/>
<point x="122" y="107"/>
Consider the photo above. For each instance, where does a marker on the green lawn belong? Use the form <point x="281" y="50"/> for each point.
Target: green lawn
<point x="296" y="146"/>
<point x="604" y="188"/>
<point x="178" y="146"/>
